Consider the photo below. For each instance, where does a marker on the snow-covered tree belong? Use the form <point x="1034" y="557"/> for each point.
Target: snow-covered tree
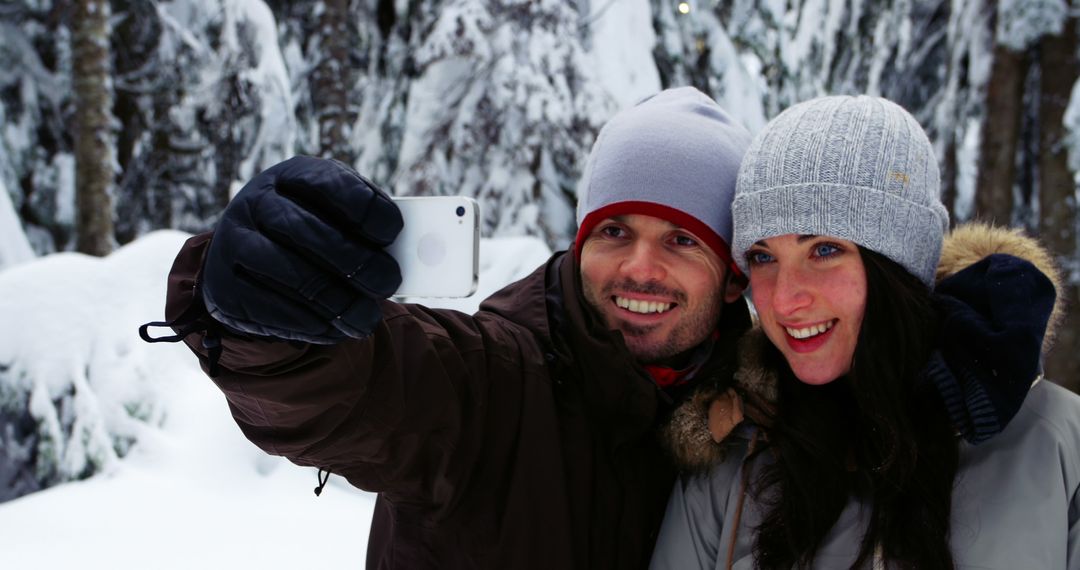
<point x="202" y="102"/>
<point x="76" y="389"/>
<point x="227" y="109"/>
<point x="699" y="44"/>
<point x="14" y="247"/>
<point x="503" y="109"/>
<point x="37" y="163"/>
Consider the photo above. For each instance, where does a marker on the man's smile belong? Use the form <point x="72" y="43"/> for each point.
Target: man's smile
<point x="642" y="306"/>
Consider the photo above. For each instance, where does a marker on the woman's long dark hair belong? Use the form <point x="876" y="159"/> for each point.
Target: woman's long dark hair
<point x="878" y="434"/>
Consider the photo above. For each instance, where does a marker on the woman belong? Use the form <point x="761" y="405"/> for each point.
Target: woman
<point x="894" y="413"/>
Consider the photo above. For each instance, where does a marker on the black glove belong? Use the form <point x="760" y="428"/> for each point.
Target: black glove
<point x="298" y="254"/>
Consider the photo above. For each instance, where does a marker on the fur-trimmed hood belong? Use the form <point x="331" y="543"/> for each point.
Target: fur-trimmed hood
<point x="971" y="255"/>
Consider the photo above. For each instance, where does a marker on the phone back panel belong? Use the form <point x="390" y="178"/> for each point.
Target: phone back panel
<point x="438" y="247"/>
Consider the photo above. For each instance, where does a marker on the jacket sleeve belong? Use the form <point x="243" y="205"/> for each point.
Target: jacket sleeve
<point x="404" y="412"/>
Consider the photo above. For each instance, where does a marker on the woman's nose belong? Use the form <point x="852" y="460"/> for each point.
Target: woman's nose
<point x="791" y="292"/>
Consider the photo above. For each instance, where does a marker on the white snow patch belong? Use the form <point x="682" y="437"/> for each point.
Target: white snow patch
<point x="1020" y="23"/>
<point x="1072" y="128"/>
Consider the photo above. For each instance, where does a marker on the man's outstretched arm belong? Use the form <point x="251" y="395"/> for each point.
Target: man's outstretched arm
<point x="396" y="402"/>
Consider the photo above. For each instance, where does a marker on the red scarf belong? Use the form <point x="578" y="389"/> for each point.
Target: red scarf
<point x="667" y="377"/>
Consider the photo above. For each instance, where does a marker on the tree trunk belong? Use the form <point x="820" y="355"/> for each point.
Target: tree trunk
<point x="1057" y="220"/>
<point x="331" y="80"/>
<point x="93" y="140"/>
<point x="1000" y="136"/>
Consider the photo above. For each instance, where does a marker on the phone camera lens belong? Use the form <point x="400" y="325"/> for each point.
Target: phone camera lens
<point x="460" y="211"/>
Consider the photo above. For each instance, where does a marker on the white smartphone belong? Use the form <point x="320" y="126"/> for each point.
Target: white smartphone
<point x="438" y="248"/>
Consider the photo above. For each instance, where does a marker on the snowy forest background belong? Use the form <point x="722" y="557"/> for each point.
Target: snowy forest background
<point x="119" y="118"/>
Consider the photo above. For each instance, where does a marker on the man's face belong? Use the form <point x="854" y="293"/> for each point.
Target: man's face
<point x="655" y="282"/>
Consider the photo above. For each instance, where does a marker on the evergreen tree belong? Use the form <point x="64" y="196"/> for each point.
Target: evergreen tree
<point x="504" y="110"/>
<point x="35" y="93"/>
<point x="145" y="88"/>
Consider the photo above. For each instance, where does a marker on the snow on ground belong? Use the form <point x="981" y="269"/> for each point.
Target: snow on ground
<point x="192" y="493"/>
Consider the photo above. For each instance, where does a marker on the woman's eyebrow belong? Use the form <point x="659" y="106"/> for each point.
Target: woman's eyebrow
<point x="806" y="237"/>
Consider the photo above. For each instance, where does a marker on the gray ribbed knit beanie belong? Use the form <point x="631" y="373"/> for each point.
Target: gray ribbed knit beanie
<point x="857" y="168"/>
<point x="673" y="156"/>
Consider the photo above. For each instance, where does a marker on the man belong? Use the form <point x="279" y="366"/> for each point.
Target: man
<point x="523" y="436"/>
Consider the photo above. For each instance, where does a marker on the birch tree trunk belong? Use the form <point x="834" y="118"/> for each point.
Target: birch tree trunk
<point x="93" y="139"/>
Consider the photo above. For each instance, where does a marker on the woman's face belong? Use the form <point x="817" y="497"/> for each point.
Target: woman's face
<point x="810" y="294"/>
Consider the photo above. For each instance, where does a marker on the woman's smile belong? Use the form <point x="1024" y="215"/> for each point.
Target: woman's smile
<point x="809" y="338"/>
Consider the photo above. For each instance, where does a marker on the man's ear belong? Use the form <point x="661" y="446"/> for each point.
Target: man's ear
<point x="733" y="286"/>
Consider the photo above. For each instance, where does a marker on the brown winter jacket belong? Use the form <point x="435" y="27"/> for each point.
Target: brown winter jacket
<point x="524" y="436"/>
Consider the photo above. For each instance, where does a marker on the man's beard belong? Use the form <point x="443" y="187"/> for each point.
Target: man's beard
<point x="691" y="329"/>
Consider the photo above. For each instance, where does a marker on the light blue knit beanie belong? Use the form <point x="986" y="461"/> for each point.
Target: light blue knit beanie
<point x="857" y="168"/>
<point x="673" y="156"/>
